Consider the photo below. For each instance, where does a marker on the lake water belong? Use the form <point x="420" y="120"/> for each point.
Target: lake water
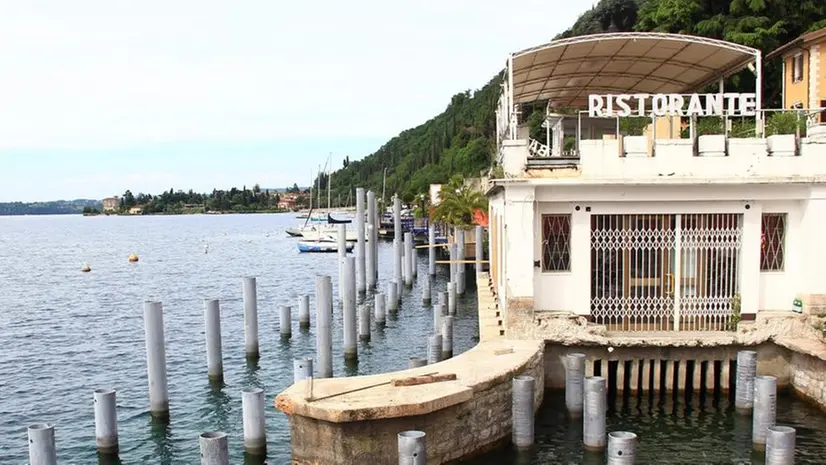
<point x="65" y="333"/>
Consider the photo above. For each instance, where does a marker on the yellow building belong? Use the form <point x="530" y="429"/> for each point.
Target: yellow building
<point x="804" y="72"/>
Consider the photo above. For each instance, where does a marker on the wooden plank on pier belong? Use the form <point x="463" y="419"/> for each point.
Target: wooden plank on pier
<point x="424" y="379"/>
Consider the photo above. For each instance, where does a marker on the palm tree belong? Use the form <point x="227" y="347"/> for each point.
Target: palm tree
<point x="458" y="202"/>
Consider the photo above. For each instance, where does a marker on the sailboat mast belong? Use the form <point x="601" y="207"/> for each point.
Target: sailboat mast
<point x="311" y="190"/>
<point x="329" y="183"/>
<point x="318" y="186"/>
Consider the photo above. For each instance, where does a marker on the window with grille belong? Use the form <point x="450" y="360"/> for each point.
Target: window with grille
<point x="556" y="242"/>
<point x="772" y="241"/>
<point x="797" y="68"/>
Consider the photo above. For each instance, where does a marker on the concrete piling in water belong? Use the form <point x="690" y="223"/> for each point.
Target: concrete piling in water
<point x="371" y="241"/>
<point x="416" y="362"/>
<point x="447" y="337"/>
<point x="324" y="323"/>
<point x="460" y="267"/>
<point x="426" y="291"/>
<point x="364" y="323"/>
<point x="42" y="450"/>
<point x="780" y="444"/>
<point x="285" y="321"/>
<point x="341" y="247"/>
<point x="106" y="421"/>
<point x="594" y="409"/>
<point x="412" y="449"/>
<point x="398" y="257"/>
<point x="408" y="259"/>
<point x="302" y="368"/>
<point x="251" y="317"/>
<point x="434" y="349"/>
<point x="414" y="268"/>
<point x="744" y="389"/>
<point x="437" y="318"/>
<point x="392" y="296"/>
<point x="461" y="281"/>
<point x="214" y="448"/>
<point x="379" y="310"/>
<point x="765" y="409"/>
<point x="361" y="257"/>
<point x="451" y="298"/>
<point x="212" y="323"/>
<point x="574" y="379"/>
<point x="431" y="250"/>
<point x="443" y="302"/>
<point x="480" y="250"/>
<point x="253" y="404"/>
<point x="397" y="239"/>
<point x="349" y="313"/>
<point x="304" y="312"/>
<point x="156" y="359"/>
<point x="522" y="434"/>
<point x="622" y="448"/>
<point x="452" y="251"/>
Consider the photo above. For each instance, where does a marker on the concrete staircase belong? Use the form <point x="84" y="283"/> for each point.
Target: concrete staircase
<point x="491" y="322"/>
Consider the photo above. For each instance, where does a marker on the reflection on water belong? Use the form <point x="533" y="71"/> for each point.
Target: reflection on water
<point x="108" y="459"/>
<point x="673" y="429"/>
<point x="218" y="407"/>
<point x="161" y="435"/>
<point x="251" y="377"/>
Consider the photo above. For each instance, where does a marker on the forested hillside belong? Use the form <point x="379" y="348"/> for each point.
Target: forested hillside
<point x="56" y="207"/>
<point x="462" y="138"/>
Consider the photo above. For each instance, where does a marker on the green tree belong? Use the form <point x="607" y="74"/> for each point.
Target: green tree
<point x="458" y="202"/>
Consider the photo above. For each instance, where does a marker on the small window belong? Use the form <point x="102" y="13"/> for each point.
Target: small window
<point x="797" y="68"/>
<point x="556" y="242"/>
<point x="773" y="242"/>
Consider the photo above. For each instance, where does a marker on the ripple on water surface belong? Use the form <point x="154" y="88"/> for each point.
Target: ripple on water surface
<point x="67" y="333"/>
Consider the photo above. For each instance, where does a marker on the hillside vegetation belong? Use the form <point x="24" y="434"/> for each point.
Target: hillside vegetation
<point x="461" y="140"/>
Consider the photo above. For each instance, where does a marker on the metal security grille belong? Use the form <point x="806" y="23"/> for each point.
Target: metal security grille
<point x="637" y="262"/>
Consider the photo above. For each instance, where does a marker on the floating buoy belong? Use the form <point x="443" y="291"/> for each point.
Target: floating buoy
<point x="85" y="268"/>
<point x="133" y="258"/>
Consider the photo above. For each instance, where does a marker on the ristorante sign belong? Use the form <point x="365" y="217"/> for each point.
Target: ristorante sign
<point x="730" y="104"/>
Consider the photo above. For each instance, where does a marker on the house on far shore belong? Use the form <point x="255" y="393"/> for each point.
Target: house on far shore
<point x="111" y="203"/>
<point x="136" y="210"/>
<point x="804" y="74"/>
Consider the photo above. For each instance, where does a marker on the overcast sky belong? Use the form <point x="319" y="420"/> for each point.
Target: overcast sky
<point x="99" y="96"/>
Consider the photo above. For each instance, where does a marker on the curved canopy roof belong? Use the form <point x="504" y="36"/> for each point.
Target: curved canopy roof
<point x="566" y="71"/>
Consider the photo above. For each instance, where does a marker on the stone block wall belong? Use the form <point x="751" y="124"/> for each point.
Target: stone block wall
<point x="453" y="433"/>
<point x="808" y="376"/>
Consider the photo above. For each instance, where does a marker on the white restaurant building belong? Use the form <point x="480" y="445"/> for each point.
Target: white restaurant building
<point x="709" y="205"/>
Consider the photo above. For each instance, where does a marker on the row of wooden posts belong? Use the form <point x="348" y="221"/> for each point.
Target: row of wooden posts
<point x="353" y="272"/>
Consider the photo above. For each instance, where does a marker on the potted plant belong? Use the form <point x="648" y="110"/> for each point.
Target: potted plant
<point x="711" y="137"/>
<point x="781" y="130"/>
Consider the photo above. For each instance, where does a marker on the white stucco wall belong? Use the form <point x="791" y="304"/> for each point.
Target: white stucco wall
<point x="570" y="290"/>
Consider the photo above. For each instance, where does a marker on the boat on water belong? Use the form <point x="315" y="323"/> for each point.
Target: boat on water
<point x="325" y="244"/>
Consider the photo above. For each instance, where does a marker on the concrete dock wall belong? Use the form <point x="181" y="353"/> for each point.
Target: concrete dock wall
<point x="357" y="419"/>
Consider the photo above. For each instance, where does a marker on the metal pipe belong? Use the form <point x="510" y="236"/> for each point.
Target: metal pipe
<point x="214" y="449"/>
<point x="412" y="448"/>
<point x="622" y="448"/>
<point x="156" y="359"/>
<point x="522" y="435"/>
<point x="42" y="450"/>
<point x="302" y="368"/>
<point x="349" y="313"/>
<point x="212" y="322"/>
<point x="304" y="312"/>
<point x="765" y="409"/>
<point x="594" y="409"/>
<point x="744" y="389"/>
<point x="106" y="421"/>
<point x="251" y="317"/>
<point x="253" y="403"/>
<point x="574" y="378"/>
<point x="324" y="321"/>
<point x="285" y="320"/>
<point x="780" y="444"/>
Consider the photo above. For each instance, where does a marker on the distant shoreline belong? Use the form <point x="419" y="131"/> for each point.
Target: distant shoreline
<point x="152" y="214"/>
